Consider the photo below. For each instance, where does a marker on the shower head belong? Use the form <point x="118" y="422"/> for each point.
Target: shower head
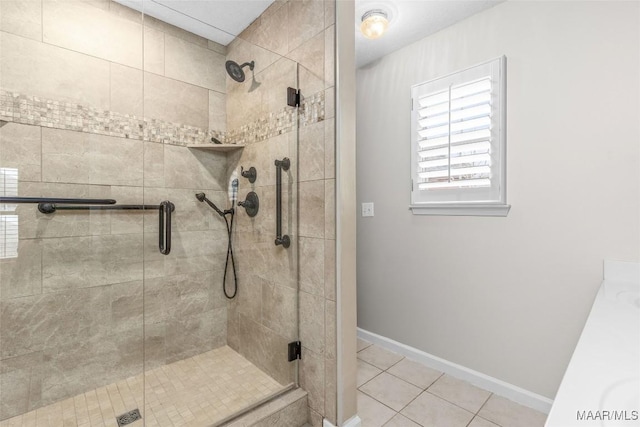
<point x="236" y="71"/>
<point x="201" y="197"/>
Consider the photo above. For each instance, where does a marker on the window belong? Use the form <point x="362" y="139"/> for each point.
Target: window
<point x="458" y="148"/>
<point x="8" y="218"/>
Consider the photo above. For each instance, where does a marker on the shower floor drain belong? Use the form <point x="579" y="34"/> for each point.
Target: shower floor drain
<point x="128" y="417"/>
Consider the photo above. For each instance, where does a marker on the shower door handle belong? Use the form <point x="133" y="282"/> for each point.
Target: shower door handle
<point x="281" y="165"/>
<point x="164" y="232"/>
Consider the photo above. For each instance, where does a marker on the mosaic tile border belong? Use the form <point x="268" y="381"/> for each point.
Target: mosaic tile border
<point x="37" y="111"/>
<point x="284" y="121"/>
<point x="312" y="109"/>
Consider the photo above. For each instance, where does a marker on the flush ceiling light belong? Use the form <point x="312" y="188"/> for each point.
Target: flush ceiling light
<point x="374" y="23"/>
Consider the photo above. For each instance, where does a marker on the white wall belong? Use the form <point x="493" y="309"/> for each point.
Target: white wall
<point x="507" y="296"/>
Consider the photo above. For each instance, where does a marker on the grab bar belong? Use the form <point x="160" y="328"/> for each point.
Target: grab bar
<point x="164" y="216"/>
<point x="12" y="200"/>
<point x="48" y="208"/>
<point x="164" y="243"/>
<point x="281" y="165"/>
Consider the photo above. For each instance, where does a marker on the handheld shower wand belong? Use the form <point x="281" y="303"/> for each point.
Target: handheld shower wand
<point x="234" y="191"/>
<point x="201" y="197"/>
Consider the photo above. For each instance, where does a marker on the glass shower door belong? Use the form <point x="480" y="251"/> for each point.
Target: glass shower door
<point x="71" y="280"/>
<point x="264" y="320"/>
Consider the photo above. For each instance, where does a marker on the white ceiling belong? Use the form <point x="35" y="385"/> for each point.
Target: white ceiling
<point x="222" y="20"/>
<point x="217" y="20"/>
<point x="410" y="21"/>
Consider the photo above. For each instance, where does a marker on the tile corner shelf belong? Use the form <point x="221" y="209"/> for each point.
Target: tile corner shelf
<point x="216" y="147"/>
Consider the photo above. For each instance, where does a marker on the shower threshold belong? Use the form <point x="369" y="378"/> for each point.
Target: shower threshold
<point x="203" y="390"/>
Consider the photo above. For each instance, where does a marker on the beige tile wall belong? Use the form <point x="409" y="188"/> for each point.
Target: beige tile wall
<point x="23" y="18"/>
<point x="49" y="71"/>
<point x="72" y="303"/>
<point x="310" y="44"/>
<point x="81" y="27"/>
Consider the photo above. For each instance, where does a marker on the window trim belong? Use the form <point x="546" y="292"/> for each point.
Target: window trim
<point x="461" y="209"/>
<point x="497" y="207"/>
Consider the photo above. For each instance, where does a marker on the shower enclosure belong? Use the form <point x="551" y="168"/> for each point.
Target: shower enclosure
<point x="97" y="321"/>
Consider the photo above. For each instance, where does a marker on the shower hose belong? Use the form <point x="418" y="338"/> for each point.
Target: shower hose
<point x="229" y="224"/>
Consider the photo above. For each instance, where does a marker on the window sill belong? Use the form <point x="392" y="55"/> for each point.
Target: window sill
<point x="461" y="209"/>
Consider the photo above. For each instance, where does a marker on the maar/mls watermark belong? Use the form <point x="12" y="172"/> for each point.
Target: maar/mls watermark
<point x="604" y="415"/>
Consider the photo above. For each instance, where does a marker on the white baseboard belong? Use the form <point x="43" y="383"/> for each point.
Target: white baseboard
<point x="354" y="421"/>
<point x="494" y="385"/>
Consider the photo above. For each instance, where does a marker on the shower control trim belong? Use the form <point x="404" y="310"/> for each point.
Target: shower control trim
<point x="251" y="204"/>
<point x="250" y="174"/>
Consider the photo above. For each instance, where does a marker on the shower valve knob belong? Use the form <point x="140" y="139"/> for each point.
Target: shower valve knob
<point x="251" y="204"/>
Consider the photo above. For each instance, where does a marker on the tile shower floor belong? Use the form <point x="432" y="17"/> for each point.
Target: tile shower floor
<point x="397" y="392"/>
<point x="198" y="391"/>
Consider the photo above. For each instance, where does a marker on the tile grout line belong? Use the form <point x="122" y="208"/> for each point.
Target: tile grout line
<point x="452" y="403"/>
<point x="375" y="376"/>
<point x="420" y="394"/>
<point x="483" y="405"/>
<point x="386" y="371"/>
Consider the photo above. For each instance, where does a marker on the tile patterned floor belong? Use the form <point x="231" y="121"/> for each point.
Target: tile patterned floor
<point x="198" y="391"/>
<point x="397" y="392"/>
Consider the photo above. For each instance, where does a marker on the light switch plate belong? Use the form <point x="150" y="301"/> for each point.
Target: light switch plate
<point x="367" y="209"/>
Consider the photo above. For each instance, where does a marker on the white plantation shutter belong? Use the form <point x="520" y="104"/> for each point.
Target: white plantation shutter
<point x="454" y="137"/>
<point x="8" y="236"/>
<point x="8" y="218"/>
<point x="458" y="138"/>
